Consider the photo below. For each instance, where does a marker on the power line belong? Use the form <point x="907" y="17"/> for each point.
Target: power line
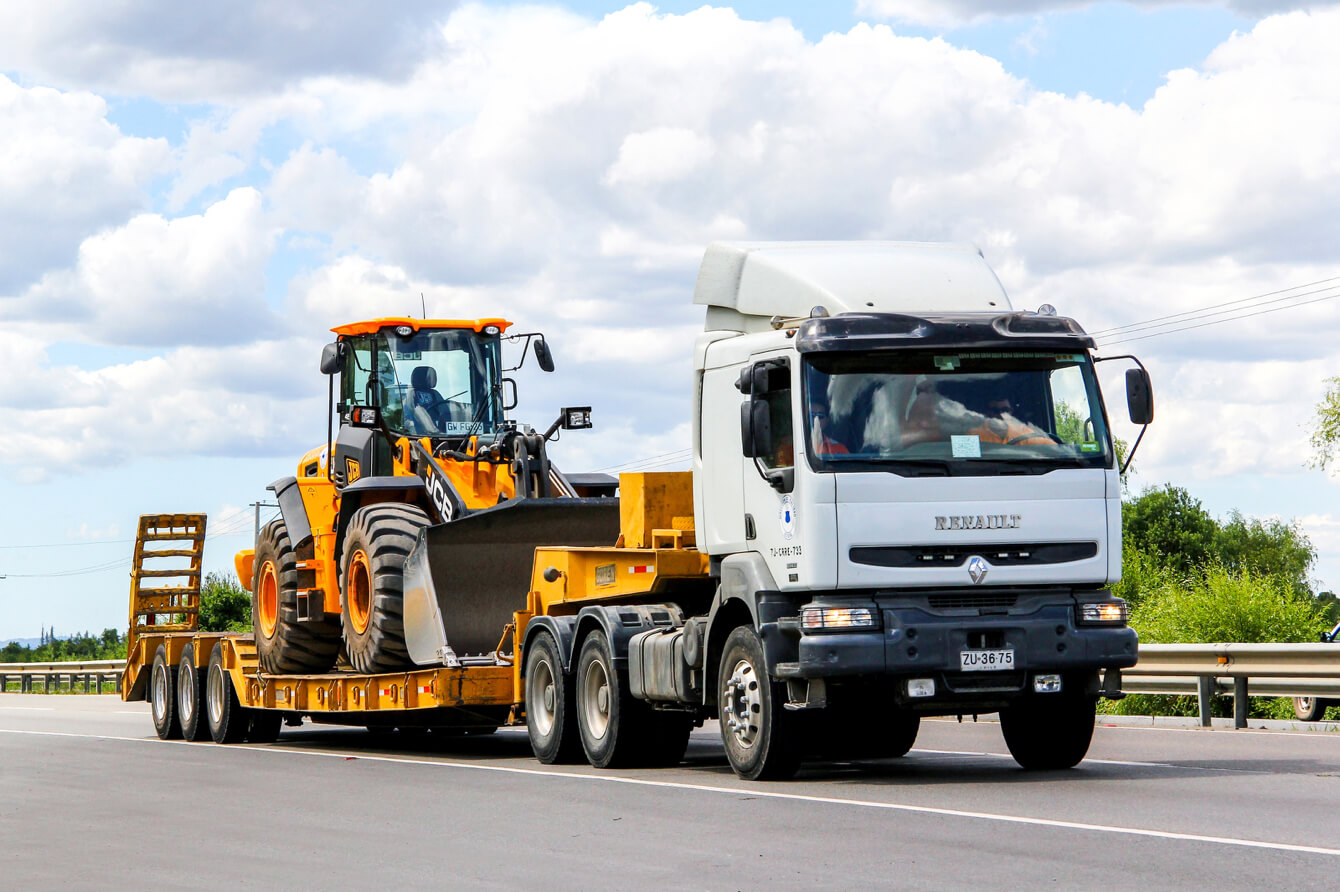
<point x="1148" y="322"/>
<point x="1221" y="321"/>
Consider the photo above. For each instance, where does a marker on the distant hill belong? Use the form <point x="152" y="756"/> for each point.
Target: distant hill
<point x="21" y="642"/>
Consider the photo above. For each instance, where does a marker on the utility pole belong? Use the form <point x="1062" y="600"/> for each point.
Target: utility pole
<point x="256" y="537"/>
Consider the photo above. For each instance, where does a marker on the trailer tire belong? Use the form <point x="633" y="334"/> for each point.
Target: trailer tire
<point x="228" y="719"/>
<point x="283" y="643"/>
<point x="265" y="726"/>
<point x="163" y="696"/>
<point x="551" y="714"/>
<point x="372" y="584"/>
<point x="1049" y="735"/>
<point x="615" y="727"/>
<point x="760" y="736"/>
<point x="191" y="697"/>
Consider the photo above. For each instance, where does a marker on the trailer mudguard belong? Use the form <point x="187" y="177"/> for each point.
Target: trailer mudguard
<point x="564" y="630"/>
<point x="289" y="495"/>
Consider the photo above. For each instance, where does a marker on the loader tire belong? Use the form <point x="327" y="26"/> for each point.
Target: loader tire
<point x="372" y="584"/>
<point x="283" y="644"/>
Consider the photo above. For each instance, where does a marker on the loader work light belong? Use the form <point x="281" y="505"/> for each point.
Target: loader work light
<point x="576" y="418"/>
<point x="491" y="330"/>
<point x="817" y="616"/>
<point x="404" y="331"/>
<point x="363" y="416"/>
<point x="1102" y="613"/>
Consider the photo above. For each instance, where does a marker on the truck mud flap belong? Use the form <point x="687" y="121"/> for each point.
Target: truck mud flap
<point x="465" y="579"/>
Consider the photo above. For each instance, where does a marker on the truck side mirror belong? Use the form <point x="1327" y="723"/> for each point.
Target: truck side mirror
<point x="758" y="385"/>
<point x="747" y="429"/>
<point x="1139" y="396"/>
<point x="543" y="356"/>
<point x="756" y="428"/>
<point x="332" y="358"/>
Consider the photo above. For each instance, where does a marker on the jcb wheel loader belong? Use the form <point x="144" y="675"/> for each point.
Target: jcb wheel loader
<point x="421" y="512"/>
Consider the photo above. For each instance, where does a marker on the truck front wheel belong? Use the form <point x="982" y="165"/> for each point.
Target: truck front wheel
<point x="760" y="736"/>
<point x="1045" y="734"/>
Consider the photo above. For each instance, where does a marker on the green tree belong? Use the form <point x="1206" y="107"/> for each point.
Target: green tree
<point x="1170" y="523"/>
<point x="1326" y="427"/>
<point x="224" y="605"/>
<point x="1272" y="548"/>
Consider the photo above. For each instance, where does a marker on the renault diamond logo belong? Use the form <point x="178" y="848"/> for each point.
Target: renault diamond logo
<point x="977" y="570"/>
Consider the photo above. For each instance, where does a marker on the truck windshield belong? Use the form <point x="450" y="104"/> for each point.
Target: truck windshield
<point x="954" y="413"/>
<point x="438" y="383"/>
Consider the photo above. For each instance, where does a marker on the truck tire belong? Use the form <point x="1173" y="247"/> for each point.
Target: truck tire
<point x="265" y="726"/>
<point x="1049" y="734"/>
<point x="228" y="720"/>
<point x="191" y="697"/>
<point x="759" y="734"/>
<point x="283" y="644"/>
<point x="551" y="715"/>
<point x="372" y="584"/>
<point x="614" y="726"/>
<point x="1310" y="709"/>
<point x="163" y="696"/>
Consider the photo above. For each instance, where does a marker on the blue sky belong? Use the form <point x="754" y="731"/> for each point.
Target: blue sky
<point x="190" y="196"/>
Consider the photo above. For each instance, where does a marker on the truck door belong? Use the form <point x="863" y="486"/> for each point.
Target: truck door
<point x="769" y="473"/>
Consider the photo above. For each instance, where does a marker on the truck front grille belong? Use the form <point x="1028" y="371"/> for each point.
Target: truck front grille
<point x="977" y="682"/>
<point x="999" y="555"/>
<point x="972" y="601"/>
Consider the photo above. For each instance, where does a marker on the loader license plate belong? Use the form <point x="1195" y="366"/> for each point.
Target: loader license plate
<point x="986" y="660"/>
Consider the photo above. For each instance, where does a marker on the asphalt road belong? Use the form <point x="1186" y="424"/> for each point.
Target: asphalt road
<point x="91" y="799"/>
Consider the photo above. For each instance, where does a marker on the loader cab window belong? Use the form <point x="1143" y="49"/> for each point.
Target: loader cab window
<point x="432" y="383"/>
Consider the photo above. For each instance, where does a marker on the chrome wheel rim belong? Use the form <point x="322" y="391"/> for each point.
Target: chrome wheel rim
<point x="160" y="692"/>
<point x="186" y="692"/>
<point x="214" y="694"/>
<point x="741" y="704"/>
<point x="596" y="699"/>
<point x="542" y="697"/>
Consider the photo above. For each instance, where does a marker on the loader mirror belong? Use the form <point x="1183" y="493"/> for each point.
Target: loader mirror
<point x="332" y="358"/>
<point x="1139" y="396"/>
<point x="543" y="356"/>
<point x="509" y="394"/>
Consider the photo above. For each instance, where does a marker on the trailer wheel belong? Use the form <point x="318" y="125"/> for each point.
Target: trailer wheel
<point x="759" y="734"/>
<point x="372" y="584"/>
<point x="163" y="696"/>
<point x="551" y="715"/>
<point x="228" y="719"/>
<point x="191" y="696"/>
<point x="283" y="643"/>
<point x="1047" y="735"/>
<point x="265" y="726"/>
<point x="615" y="727"/>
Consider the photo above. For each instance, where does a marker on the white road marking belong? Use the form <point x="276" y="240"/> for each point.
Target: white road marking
<point x="745" y="792"/>
<point x="32" y="708"/>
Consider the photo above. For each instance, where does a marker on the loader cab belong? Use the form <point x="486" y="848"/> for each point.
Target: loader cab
<point x="392" y="378"/>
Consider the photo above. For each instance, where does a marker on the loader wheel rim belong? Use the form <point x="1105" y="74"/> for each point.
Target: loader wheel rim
<point x="596" y="699"/>
<point x="742" y="704"/>
<point x="267" y="599"/>
<point x="360" y="591"/>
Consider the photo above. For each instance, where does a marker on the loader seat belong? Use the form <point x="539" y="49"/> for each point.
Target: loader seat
<point x="426" y="406"/>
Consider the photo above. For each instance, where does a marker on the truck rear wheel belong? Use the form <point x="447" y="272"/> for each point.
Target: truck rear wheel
<point x="283" y="644"/>
<point x="372" y="583"/>
<point x="163" y="696"/>
<point x="759" y="734"/>
<point x="191" y="696"/>
<point x="1048" y="734"/>
<point x="551" y="715"/>
<point x="614" y="725"/>
<point x="228" y="719"/>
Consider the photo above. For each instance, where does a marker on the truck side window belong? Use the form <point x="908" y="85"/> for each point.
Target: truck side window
<point x="782" y="451"/>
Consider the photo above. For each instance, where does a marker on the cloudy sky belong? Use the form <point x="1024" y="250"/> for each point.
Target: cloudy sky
<point x="192" y="194"/>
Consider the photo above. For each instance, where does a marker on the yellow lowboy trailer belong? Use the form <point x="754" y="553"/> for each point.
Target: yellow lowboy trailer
<point x="204" y="685"/>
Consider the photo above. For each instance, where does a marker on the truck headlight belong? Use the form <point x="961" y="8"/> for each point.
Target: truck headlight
<point x="818" y="616"/>
<point x="1102" y="613"/>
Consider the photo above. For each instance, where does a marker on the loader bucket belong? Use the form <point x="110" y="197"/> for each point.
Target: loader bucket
<point x="464" y="579"/>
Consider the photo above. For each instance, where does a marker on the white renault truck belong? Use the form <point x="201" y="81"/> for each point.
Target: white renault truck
<point x="906" y="502"/>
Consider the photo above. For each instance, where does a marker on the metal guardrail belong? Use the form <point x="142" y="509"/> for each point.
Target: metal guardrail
<point x="93" y="674"/>
<point x="1239" y="670"/>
